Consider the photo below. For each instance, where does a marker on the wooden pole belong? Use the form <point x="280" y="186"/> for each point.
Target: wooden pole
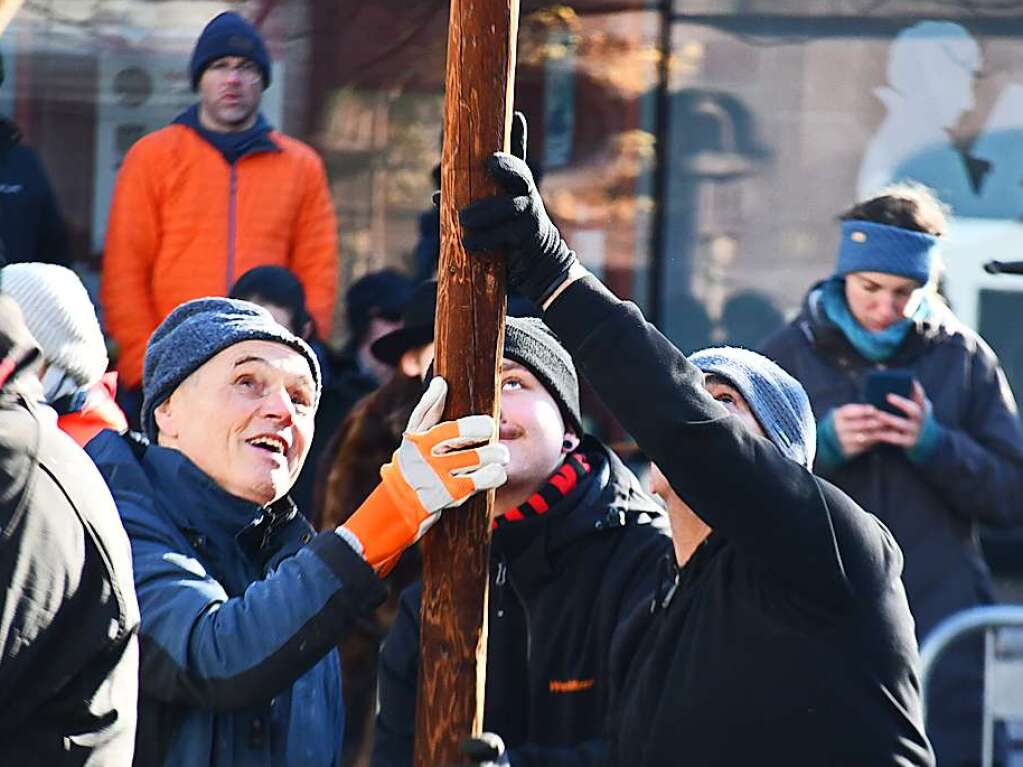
<point x="469" y="338"/>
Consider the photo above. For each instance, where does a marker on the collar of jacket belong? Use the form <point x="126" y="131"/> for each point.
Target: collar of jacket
<point x="671" y="575"/>
<point x="828" y="338"/>
<point x="610" y="497"/>
<point x="205" y="508"/>
<point x="261" y="141"/>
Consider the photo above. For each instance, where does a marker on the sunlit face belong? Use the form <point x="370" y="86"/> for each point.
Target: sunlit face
<point x="531" y="428"/>
<point x="245" y="418"/>
<point x="878" y="300"/>
<point x="230" y="90"/>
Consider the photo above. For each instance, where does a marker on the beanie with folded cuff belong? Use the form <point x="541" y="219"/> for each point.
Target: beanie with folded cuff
<point x="528" y="341"/>
<point x="778" y="401"/>
<point x="60" y="316"/>
<point x="229" y="34"/>
<point x="197" y="331"/>
<point x="867" y="246"/>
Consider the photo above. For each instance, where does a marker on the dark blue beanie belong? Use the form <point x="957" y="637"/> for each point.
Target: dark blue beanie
<point x="871" y="247"/>
<point x="228" y="35"/>
<point x="778" y="400"/>
<point x="198" y="330"/>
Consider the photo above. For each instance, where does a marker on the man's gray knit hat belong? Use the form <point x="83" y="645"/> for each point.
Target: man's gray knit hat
<point x="778" y="400"/>
<point x="198" y="330"/>
<point x="61" y="317"/>
<point x="532" y="344"/>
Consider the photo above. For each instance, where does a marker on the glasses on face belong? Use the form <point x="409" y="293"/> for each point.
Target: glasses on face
<point x="247" y="71"/>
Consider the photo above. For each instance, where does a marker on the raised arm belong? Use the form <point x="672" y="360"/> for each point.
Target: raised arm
<point x="800" y="528"/>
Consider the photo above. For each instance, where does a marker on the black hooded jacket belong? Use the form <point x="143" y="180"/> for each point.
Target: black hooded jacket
<point x="933" y="505"/>
<point x="68" y="612"/>
<point x="31" y="227"/>
<point x="560" y="586"/>
<point x="786" y="639"/>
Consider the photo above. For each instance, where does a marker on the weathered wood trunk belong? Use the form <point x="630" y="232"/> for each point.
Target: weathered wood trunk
<point x="469" y="336"/>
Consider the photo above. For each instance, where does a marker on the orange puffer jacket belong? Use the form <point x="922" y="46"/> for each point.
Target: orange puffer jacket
<point x="186" y="224"/>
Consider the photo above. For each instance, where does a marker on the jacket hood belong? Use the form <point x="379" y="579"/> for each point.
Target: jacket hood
<point x="17" y="347"/>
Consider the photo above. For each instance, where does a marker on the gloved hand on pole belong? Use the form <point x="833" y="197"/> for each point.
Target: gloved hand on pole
<point x="539" y="259"/>
<point x="437" y="466"/>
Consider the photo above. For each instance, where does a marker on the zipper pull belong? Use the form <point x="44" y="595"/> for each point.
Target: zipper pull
<point x="502" y="573"/>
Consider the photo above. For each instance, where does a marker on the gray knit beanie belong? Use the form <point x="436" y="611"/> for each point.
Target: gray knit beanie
<point x="778" y="400"/>
<point x="528" y="341"/>
<point x="61" y="317"/>
<point x="198" y="330"/>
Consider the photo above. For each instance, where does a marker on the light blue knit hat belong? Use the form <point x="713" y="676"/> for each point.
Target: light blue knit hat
<point x="778" y="400"/>
<point x="198" y="330"/>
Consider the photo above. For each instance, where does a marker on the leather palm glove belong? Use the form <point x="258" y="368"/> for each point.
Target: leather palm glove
<point x="487" y="750"/>
<point x="516" y="221"/>
<point x="437" y="466"/>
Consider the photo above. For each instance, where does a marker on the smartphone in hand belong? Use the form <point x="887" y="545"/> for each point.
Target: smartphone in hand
<point x="878" y="384"/>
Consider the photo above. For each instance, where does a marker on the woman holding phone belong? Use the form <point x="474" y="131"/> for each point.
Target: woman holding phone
<point x="916" y="422"/>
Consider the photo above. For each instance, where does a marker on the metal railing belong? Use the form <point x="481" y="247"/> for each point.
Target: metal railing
<point x="997" y="688"/>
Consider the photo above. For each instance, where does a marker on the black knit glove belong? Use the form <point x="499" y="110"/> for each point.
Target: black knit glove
<point x="516" y="221"/>
<point x="485" y="751"/>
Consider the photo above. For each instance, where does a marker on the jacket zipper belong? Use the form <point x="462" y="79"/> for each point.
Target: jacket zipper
<point x="499" y="581"/>
<point x="525" y="616"/>
<point x="232" y="200"/>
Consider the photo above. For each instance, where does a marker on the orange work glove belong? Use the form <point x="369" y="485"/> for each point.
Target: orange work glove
<point x="437" y="466"/>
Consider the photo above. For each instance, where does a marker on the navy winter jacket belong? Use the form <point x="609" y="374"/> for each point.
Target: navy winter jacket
<point x="933" y="503"/>
<point x="31" y="227"/>
<point x="241" y="607"/>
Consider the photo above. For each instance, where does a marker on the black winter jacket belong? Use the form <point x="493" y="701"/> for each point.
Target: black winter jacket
<point x="68" y="613"/>
<point x="933" y="506"/>
<point x="560" y="585"/>
<point x="787" y="639"/>
<point x="31" y="227"/>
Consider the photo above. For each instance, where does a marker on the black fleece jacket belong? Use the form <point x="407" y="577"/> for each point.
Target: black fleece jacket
<point x="560" y="586"/>
<point x="788" y="639"/>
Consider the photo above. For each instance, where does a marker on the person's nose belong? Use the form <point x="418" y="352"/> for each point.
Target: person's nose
<point x="278" y="405"/>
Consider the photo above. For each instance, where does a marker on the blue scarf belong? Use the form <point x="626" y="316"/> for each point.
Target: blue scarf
<point x="876" y="347"/>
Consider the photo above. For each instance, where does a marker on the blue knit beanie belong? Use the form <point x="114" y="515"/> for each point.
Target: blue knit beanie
<point x="198" y="330"/>
<point x="778" y="400"/>
<point x="228" y="35"/>
<point x="871" y="247"/>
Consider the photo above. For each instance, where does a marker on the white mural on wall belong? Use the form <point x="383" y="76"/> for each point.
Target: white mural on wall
<point x="931" y="71"/>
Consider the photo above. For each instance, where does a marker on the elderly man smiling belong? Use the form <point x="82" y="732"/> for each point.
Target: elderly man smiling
<point x="242" y="605"/>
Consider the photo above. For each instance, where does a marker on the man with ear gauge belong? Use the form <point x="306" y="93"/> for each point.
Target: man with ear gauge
<point x="780" y="633"/>
<point x="242" y="605"/>
<point x="574" y="551"/>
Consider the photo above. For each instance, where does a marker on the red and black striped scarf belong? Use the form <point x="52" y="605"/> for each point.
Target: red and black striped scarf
<point x="561" y="483"/>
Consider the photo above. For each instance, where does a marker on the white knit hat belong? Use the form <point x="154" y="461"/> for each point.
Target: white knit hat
<point x="60" y="317"/>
